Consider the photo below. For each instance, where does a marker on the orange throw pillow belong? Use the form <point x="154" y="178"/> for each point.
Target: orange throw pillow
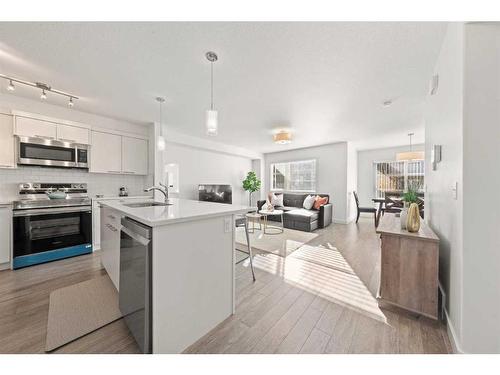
<point x="318" y="202"/>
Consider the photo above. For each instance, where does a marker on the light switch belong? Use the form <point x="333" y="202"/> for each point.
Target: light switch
<point x="454" y="190"/>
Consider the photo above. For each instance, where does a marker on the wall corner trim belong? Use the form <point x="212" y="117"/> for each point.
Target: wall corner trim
<point x="452" y="335"/>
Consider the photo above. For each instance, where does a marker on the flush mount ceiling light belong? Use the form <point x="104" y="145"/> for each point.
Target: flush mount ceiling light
<point x="40" y="86"/>
<point x="211" y="114"/>
<point x="282" y="138"/>
<point x="160" y="142"/>
<point x="410" y="155"/>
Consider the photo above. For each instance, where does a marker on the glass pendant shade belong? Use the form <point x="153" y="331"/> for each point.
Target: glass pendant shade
<point x="211" y="122"/>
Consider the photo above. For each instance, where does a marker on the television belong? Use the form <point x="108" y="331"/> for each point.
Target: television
<point x="215" y="193"/>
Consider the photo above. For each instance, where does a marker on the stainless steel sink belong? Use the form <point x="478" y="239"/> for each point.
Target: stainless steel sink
<point x="147" y="204"/>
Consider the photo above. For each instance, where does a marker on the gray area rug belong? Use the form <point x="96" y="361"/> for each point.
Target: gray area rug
<point x="79" y="309"/>
<point x="282" y="244"/>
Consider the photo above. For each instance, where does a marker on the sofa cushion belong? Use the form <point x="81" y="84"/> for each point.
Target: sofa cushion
<point x="277" y="200"/>
<point x="308" y="202"/>
<point x="301" y="214"/>
<point x="293" y="200"/>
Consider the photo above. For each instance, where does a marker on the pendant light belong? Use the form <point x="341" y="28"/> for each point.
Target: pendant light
<point x="211" y="114"/>
<point x="410" y="155"/>
<point x="160" y="142"/>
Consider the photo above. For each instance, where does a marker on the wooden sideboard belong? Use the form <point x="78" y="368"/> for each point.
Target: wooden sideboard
<point x="409" y="267"/>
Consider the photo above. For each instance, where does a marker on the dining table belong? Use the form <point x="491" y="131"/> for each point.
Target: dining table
<point x="380" y="208"/>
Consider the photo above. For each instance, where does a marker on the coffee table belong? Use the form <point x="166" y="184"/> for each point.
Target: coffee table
<point x="253" y="217"/>
<point x="272" y="229"/>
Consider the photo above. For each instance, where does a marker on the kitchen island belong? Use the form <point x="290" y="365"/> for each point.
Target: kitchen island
<point x="191" y="247"/>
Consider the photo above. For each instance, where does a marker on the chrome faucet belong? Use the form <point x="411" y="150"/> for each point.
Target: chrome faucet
<point x="162" y="188"/>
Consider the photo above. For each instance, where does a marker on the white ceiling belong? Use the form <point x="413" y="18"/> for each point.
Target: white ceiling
<point x="324" y="81"/>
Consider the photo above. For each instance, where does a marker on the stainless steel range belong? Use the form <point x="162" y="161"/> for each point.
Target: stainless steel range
<point x="51" y="221"/>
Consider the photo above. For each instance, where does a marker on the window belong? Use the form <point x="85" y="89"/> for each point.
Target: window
<point x="294" y="176"/>
<point x="397" y="176"/>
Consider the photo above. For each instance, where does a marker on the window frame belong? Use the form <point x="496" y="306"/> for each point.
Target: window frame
<point x="405" y="175"/>
<point x="271" y="184"/>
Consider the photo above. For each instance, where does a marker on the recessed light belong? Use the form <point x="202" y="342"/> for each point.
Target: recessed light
<point x="387" y="103"/>
<point x="11" y="86"/>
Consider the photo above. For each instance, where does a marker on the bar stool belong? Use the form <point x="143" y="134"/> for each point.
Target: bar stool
<point x="240" y="222"/>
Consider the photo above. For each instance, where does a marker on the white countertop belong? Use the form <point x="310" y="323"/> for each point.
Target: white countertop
<point x="181" y="210"/>
<point x="111" y="197"/>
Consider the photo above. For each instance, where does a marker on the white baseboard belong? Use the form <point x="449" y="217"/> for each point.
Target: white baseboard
<point x="340" y="221"/>
<point x="452" y="335"/>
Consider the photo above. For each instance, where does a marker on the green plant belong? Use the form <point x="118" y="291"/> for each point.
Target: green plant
<point x="410" y="195"/>
<point x="251" y="184"/>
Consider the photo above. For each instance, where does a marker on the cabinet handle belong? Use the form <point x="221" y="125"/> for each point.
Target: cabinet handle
<point x="128" y="172"/>
<point x="44" y="136"/>
<point x="114" y="172"/>
<point x="111" y="217"/>
<point x="67" y="140"/>
<point x="6" y="166"/>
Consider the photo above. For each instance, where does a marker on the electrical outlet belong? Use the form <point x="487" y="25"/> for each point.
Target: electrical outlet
<point x="227" y="224"/>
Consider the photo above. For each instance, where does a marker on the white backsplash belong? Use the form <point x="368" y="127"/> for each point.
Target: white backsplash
<point x="98" y="183"/>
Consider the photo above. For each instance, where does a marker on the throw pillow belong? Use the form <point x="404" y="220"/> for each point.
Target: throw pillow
<point x="308" y="202"/>
<point x="319" y="201"/>
<point x="277" y="200"/>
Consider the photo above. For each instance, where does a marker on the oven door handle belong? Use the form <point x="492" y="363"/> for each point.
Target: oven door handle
<point x="50" y="211"/>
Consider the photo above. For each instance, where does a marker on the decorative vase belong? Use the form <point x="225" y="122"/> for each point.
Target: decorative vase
<point x="413" y="220"/>
<point x="403" y="215"/>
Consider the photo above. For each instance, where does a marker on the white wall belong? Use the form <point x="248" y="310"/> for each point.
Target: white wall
<point x="199" y="166"/>
<point x="444" y="213"/>
<point x="352" y="181"/>
<point x="481" y="183"/>
<point x="331" y="172"/>
<point x="366" y="174"/>
<point x="97" y="183"/>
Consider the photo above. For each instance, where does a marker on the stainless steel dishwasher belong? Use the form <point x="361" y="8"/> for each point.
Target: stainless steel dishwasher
<point x="135" y="281"/>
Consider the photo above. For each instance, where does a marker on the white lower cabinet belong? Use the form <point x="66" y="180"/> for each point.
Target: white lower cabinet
<point x="110" y="244"/>
<point x="5" y="235"/>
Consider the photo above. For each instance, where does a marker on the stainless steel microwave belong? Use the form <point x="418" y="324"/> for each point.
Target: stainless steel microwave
<point x="51" y="153"/>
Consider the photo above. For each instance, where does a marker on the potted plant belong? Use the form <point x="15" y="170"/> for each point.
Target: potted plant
<point x="410" y="197"/>
<point x="251" y="184"/>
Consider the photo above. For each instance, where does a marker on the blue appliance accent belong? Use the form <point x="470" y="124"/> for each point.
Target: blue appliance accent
<point x="48" y="256"/>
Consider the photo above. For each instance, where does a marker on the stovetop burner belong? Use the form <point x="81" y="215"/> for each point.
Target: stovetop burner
<point x="34" y="195"/>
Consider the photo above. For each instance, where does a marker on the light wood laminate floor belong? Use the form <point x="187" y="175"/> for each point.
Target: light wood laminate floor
<point x="301" y="304"/>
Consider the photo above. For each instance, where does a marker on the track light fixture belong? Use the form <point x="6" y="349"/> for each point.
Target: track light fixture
<point x="41" y="86"/>
<point x="11" y="86"/>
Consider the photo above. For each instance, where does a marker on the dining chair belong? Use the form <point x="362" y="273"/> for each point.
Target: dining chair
<point x="393" y="204"/>
<point x="364" y="209"/>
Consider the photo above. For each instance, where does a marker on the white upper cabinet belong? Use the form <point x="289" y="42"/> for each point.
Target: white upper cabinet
<point x="72" y="134"/>
<point x="30" y="127"/>
<point x="7" y="154"/>
<point x="134" y="156"/>
<point x="106" y="153"/>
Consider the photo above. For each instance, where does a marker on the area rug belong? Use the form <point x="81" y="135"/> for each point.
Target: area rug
<point x="79" y="309"/>
<point x="282" y="244"/>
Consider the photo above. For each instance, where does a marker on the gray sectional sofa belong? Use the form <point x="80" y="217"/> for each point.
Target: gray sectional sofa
<point x="297" y="217"/>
